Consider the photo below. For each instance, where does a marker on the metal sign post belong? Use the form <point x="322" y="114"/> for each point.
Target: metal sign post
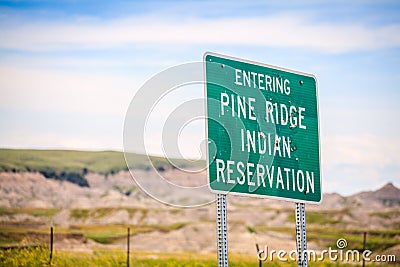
<point x="301" y="240"/>
<point x="222" y="231"/>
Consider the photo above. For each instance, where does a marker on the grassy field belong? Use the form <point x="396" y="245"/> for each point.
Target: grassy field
<point x="16" y="235"/>
<point x="321" y="229"/>
<point x="72" y="165"/>
<point x="326" y="236"/>
<point x="40" y="256"/>
<point x="23" y="237"/>
<point x="104" y="162"/>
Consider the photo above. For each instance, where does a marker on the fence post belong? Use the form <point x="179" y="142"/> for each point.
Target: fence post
<point x="364" y="247"/>
<point x="258" y="255"/>
<point x="51" y="244"/>
<point x="128" y="244"/>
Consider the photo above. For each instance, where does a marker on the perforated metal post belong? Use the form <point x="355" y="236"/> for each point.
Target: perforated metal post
<point x="301" y="235"/>
<point x="222" y="231"/>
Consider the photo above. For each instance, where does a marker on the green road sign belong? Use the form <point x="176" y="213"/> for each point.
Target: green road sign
<point x="262" y="130"/>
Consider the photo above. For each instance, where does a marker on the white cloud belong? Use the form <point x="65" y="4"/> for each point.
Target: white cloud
<point x="53" y="90"/>
<point x="289" y="30"/>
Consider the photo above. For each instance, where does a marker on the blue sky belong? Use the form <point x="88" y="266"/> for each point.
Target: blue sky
<point x="69" y="69"/>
